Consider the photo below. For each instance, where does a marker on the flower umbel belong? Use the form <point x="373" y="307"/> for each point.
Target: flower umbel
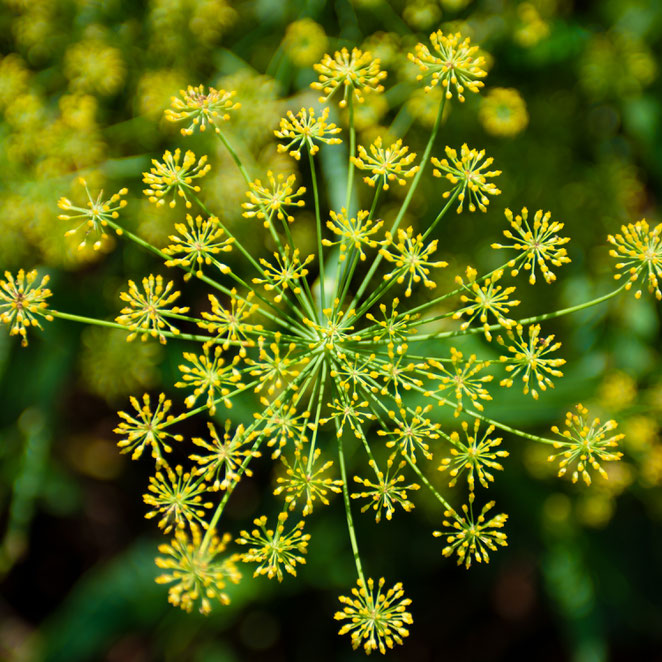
<point x="273" y="549"/>
<point x="201" y="108"/>
<point x="21" y="303"/>
<point x="539" y="244"/>
<point x="196" y="574"/>
<point x="177" y="498"/>
<point x="387" y="492"/>
<point x="170" y="176"/>
<point x="95" y="217"/>
<point x="640" y="249"/>
<point x="529" y="357"/>
<point x="304" y="130"/>
<point x="468" y="175"/>
<point x="456" y="64"/>
<point x="225" y="456"/>
<point x="147" y="429"/>
<point x="377" y="618"/>
<point x="472" y="538"/>
<point x="146" y="312"/>
<point x="198" y="241"/>
<point x="356" y="233"/>
<point x="477" y="456"/>
<point x="264" y="202"/>
<point x="357" y="73"/>
<point x="585" y="445"/>
<point x="387" y="164"/>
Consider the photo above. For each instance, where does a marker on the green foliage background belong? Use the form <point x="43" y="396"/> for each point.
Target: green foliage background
<point x="83" y="84"/>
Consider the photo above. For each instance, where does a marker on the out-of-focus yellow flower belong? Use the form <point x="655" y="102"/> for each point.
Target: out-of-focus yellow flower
<point x="503" y="112"/>
<point x="617" y="391"/>
<point x="421" y="14"/>
<point x="93" y="66"/>
<point x="154" y="91"/>
<point x="641" y="432"/>
<point x="617" y="64"/>
<point x="531" y="28"/>
<point x="111" y="368"/>
<point x="14" y="77"/>
<point x="305" y="42"/>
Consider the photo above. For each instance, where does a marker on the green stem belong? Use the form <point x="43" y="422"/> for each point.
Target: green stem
<point x="526" y="320"/>
<point x="352" y="153"/>
<point x="233" y="154"/>
<point x="427" y="483"/>
<point x="115" y="325"/>
<point x="318" y="219"/>
<point x="442" y="213"/>
<point x="348" y="510"/>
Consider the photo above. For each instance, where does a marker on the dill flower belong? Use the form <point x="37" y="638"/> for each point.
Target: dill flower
<point x="585" y="445"/>
<point x="176" y="497"/>
<point x="395" y="326"/>
<point x="529" y="358"/>
<point x="273" y="369"/>
<point x="387" y="164"/>
<point x="95" y="216"/>
<point x="395" y="373"/>
<point x="230" y="325"/>
<point x="539" y="244"/>
<point x="456" y="65"/>
<point x="483" y="299"/>
<point x="503" y="112"/>
<point x="21" y="302"/>
<point x="147" y="429"/>
<point x="264" y="202"/>
<point x="411" y="435"/>
<point x="468" y="176"/>
<point x="350" y="410"/>
<point x="303" y="129"/>
<point x="201" y="108"/>
<point x="285" y="273"/>
<point x="470" y="537"/>
<point x="477" y="456"/>
<point x="410" y="256"/>
<point x="194" y="569"/>
<point x="377" y="618"/>
<point x="146" y="312"/>
<point x="210" y="375"/>
<point x="197" y="244"/>
<point x="358" y="73"/>
<point x="354" y="233"/>
<point x="92" y="66"/>
<point x="273" y="549"/>
<point x="225" y="456"/>
<point x="388" y="492"/>
<point x="464" y="378"/>
<point x="282" y="424"/>
<point x="305" y="42"/>
<point x="171" y="176"/>
<point x="640" y="249"/>
<point x="304" y="480"/>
